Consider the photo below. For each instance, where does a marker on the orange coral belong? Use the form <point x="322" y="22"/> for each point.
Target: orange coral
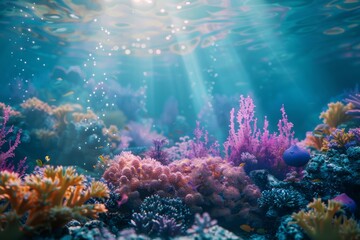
<point x="50" y="200"/>
<point x="61" y="112"/>
<point x="336" y="114"/>
<point x="36" y="104"/>
<point x="89" y="115"/>
<point x="312" y="141"/>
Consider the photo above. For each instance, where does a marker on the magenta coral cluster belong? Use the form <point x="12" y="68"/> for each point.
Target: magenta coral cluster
<point x="7" y="152"/>
<point x="205" y="184"/>
<point x="267" y="147"/>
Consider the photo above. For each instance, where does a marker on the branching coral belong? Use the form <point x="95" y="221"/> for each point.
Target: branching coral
<point x="51" y="199"/>
<point x="198" y="147"/>
<point x="61" y="114"/>
<point x="7" y="152"/>
<point x="280" y="201"/>
<point x="336" y="114"/>
<point x="338" y="139"/>
<point x="321" y="222"/>
<point x="157" y="152"/>
<point x="266" y="147"/>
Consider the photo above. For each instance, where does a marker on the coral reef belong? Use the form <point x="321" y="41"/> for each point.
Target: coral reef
<point x="288" y="231"/>
<point x="336" y="171"/>
<point x="280" y="201"/>
<point x="205" y="229"/>
<point x="338" y="139"/>
<point x="267" y="148"/>
<point x="157" y="153"/>
<point x="48" y="201"/>
<point x="162" y="217"/>
<point x="80" y="135"/>
<point x="198" y="147"/>
<point x="321" y="222"/>
<point x="336" y="114"/>
<point x="92" y="230"/>
<point x="222" y="190"/>
<point x="137" y="178"/>
<point x="8" y="152"/>
<point x="207" y="184"/>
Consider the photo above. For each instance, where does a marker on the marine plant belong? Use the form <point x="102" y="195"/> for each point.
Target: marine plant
<point x="266" y="147"/>
<point x="162" y="217"/>
<point x="322" y="222"/>
<point x="48" y="200"/>
<point x="336" y="114"/>
<point x="8" y="152"/>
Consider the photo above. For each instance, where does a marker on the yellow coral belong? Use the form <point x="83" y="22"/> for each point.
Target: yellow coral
<point x="321" y="222"/>
<point x="336" y="114"/>
<point x="51" y="199"/>
<point x="338" y="137"/>
<point x="36" y="104"/>
<point x="61" y="113"/>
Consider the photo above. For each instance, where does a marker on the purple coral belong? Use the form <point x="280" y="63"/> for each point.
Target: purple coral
<point x="198" y="147"/>
<point x="157" y="153"/>
<point x="354" y="99"/>
<point x="8" y="152"/>
<point x="266" y="147"/>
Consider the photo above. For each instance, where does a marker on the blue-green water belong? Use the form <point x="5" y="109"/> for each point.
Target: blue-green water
<point x="113" y="75"/>
<point x="301" y="53"/>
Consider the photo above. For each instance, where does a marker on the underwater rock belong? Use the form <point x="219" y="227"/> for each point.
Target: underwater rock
<point x="353" y="153"/>
<point x="296" y="156"/>
<point x="92" y="230"/>
<point x="288" y="231"/>
<point x="346" y="201"/>
<point x="263" y="179"/>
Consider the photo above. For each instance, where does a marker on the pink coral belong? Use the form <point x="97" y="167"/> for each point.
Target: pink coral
<point x="265" y="146"/>
<point x="205" y="184"/>
<point x="5" y="155"/>
<point x="138" y="178"/>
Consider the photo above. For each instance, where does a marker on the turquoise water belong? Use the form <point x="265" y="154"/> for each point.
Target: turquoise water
<point x="301" y="53"/>
<point x="113" y="75"/>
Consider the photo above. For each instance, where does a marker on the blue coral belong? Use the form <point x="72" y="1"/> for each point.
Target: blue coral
<point x="280" y="201"/>
<point x="162" y="217"/>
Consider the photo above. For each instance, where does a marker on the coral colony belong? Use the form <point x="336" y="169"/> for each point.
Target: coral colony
<point x="120" y="179"/>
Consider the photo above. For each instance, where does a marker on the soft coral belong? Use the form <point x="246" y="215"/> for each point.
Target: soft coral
<point x="265" y="146"/>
